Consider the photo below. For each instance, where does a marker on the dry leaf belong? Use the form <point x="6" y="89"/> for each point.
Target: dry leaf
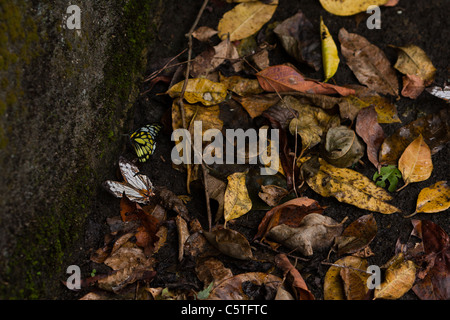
<point x="298" y="37"/>
<point x="399" y="279"/>
<point x="282" y="78"/>
<point x="203" y="33"/>
<point x="347" y="186"/>
<point x="330" y="56"/>
<point x="435" y="129"/>
<point x="357" y="235"/>
<point x="236" y="198"/>
<point x="245" y="19"/>
<point x="435" y="198"/>
<point x="412" y="60"/>
<point x="289" y="213"/>
<point x="272" y="194"/>
<point x="349" y="7"/>
<point x="293" y="277"/>
<point x="212" y="270"/>
<point x="183" y="234"/>
<point x="371" y="132"/>
<point x="234" y="288"/>
<point x="333" y="287"/>
<point x="342" y="147"/>
<point x="241" y="86"/>
<point x="441" y="93"/>
<point x="230" y="242"/>
<point x="355" y="284"/>
<point x="413" y="86"/>
<point x="315" y="232"/>
<point x="200" y="90"/>
<point x="415" y="163"/>
<point x="369" y="64"/>
<point x="256" y="105"/>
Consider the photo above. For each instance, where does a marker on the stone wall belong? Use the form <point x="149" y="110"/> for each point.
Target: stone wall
<point x="65" y="100"/>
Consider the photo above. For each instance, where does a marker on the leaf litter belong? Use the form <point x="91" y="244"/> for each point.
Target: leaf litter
<point x="327" y="131"/>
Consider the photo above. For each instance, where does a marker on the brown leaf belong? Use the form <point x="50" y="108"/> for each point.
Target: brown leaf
<point x="297" y="209"/>
<point x="371" y="132"/>
<point x="342" y="147"/>
<point x="434" y="282"/>
<point x="293" y="277"/>
<point x="282" y="78"/>
<point x="315" y="232"/>
<point x="298" y="37"/>
<point x="368" y="63"/>
<point x="413" y="86"/>
<point x="272" y="194"/>
<point x="204" y="33"/>
<point x="234" y="288"/>
<point x="357" y="235"/>
<point x="255" y="105"/>
<point x="212" y="269"/>
<point x="230" y="242"/>
<point x="435" y="129"/>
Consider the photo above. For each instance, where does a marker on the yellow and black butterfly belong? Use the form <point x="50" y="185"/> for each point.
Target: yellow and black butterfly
<point x="143" y="141"/>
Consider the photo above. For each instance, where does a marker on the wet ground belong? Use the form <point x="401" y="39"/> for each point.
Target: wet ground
<point x="423" y="23"/>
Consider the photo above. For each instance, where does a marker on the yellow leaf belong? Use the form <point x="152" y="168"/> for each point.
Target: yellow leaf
<point x="245" y="19"/>
<point x="334" y="288"/>
<point x="236" y="199"/>
<point x="330" y="55"/>
<point x="435" y="198"/>
<point x="413" y="60"/>
<point x="201" y="90"/>
<point x="347" y="186"/>
<point x="349" y="7"/>
<point x="415" y="163"/>
<point x="399" y="279"/>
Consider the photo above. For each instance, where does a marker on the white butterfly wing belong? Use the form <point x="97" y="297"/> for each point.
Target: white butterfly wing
<point x="130" y="173"/>
<point x="117" y="189"/>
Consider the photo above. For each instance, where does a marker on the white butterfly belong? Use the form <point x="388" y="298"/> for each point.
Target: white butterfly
<point x="137" y="187"/>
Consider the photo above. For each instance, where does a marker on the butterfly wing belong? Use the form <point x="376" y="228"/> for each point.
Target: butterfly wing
<point x="117" y="189"/>
<point x="143" y="141"/>
<point x="131" y="175"/>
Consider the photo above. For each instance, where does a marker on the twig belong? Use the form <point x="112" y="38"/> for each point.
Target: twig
<point x="183" y="114"/>
<point x="347" y="267"/>
<point x="278" y="252"/>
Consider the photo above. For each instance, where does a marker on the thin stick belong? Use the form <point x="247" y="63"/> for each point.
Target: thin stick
<point x="183" y="114"/>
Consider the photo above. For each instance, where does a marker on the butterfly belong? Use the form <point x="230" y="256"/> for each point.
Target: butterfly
<point x="137" y="187"/>
<point x="143" y="141"/>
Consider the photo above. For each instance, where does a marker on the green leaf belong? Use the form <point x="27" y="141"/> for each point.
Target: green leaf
<point x="390" y="173"/>
<point x="204" y="294"/>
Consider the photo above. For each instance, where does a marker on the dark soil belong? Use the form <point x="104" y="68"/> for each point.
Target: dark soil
<point x="421" y="22"/>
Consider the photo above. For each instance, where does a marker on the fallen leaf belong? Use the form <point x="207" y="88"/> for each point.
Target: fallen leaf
<point x="289" y="213"/>
<point x="245" y="19"/>
<point x="315" y="232"/>
<point x="257" y="104"/>
<point x="201" y="90"/>
<point x="230" y="242"/>
<point x="413" y="86"/>
<point x="293" y="277"/>
<point x="349" y="7"/>
<point x="371" y="132"/>
<point x="183" y="234"/>
<point x="330" y="56"/>
<point x="282" y="78"/>
<point x="212" y="270"/>
<point x="435" y="129"/>
<point x="216" y="190"/>
<point x="236" y="199"/>
<point x="357" y="236"/>
<point x="389" y="173"/>
<point x="342" y="147"/>
<point x="204" y="33"/>
<point x="369" y="64"/>
<point x="346" y="186"/>
<point x="334" y="288"/>
<point x="399" y="279"/>
<point x="298" y="37"/>
<point x="433" y="278"/>
<point x="415" y="164"/>
<point x="355" y="284"/>
<point x="272" y="194"/>
<point x="233" y="288"/>
<point x="435" y="198"/>
<point x="241" y="86"/>
<point x="412" y="60"/>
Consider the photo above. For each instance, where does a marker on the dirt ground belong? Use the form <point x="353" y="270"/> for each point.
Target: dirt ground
<point x="421" y="22"/>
